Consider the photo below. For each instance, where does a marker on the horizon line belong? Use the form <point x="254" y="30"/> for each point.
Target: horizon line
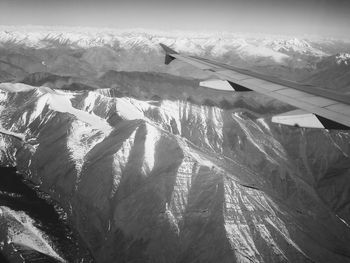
<point x="206" y="33"/>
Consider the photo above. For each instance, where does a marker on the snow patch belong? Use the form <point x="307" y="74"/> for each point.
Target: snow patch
<point x="21" y="231"/>
<point x="152" y="137"/>
<point x="79" y="142"/>
<point x="261" y="51"/>
<point x="343" y="58"/>
<point x="15" y="87"/>
<point x="127" y="110"/>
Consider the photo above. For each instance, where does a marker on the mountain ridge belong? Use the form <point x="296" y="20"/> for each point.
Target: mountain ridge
<point x="161" y="156"/>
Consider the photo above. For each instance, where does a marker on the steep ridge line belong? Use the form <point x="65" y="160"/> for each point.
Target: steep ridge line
<point x="60" y="102"/>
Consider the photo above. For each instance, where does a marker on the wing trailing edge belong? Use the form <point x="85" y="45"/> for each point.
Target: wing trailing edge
<point x="322" y="108"/>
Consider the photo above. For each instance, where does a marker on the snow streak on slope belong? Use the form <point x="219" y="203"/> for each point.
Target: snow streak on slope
<point x="152" y="137"/>
<point x="127" y="110"/>
<point x="20" y="136"/>
<point x="15" y="87"/>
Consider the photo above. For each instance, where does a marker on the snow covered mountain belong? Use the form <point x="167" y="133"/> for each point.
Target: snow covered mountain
<point x="151" y="167"/>
<point x="178" y="180"/>
<point x="294" y="45"/>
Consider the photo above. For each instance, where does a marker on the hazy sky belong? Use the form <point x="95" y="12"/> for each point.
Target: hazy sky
<point x="317" y="17"/>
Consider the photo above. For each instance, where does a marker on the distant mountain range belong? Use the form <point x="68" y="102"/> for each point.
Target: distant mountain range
<point x="82" y="51"/>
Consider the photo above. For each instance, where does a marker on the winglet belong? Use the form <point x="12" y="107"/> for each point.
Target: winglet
<point x="168" y="53"/>
<point x="167" y="49"/>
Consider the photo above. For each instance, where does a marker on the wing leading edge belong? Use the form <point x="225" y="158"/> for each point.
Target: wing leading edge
<point x="331" y="110"/>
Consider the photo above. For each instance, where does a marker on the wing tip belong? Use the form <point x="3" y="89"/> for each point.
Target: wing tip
<point x="168" y="53"/>
<point x="167" y="49"/>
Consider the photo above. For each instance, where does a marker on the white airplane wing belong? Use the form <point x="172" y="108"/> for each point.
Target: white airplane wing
<point x="320" y="108"/>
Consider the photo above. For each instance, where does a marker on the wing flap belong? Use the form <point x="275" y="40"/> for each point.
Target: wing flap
<point x="298" y="118"/>
<point x="216" y="84"/>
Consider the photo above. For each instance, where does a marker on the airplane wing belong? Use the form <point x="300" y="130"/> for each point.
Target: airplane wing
<point x="318" y="108"/>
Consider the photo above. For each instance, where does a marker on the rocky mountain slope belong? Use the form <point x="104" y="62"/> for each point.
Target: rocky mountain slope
<point x="177" y="181"/>
<point x="333" y="72"/>
<point x="173" y="172"/>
